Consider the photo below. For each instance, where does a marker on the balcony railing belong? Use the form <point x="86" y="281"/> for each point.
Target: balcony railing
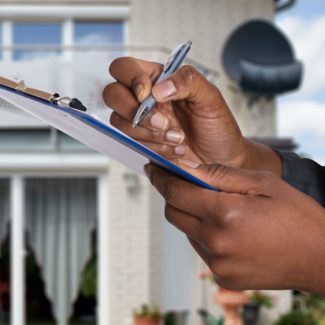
<point x="78" y="71"/>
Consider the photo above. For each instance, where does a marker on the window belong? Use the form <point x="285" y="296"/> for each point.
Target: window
<point x="61" y="216"/>
<point x="35" y="34"/>
<point x="98" y="33"/>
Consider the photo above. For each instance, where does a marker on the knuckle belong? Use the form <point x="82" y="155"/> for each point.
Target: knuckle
<point x="114" y="119"/>
<point x="220" y="269"/>
<point x="219" y="245"/>
<point x="138" y="78"/>
<point x="108" y="91"/>
<point x="118" y="122"/>
<point x="164" y="150"/>
<point x="169" y="214"/>
<point x="171" y="191"/>
<point x="230" y="217"/>
<point x="264" y="183"/>
<point x="218" y="172"/>
<point x="188" y="74"/>
<point x="116" y="63"/>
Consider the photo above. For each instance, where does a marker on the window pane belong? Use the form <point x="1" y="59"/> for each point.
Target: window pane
<point x="4" y="253"/>
<point x="99" y="33"/>
<point x="36" y="34"/>
<point x="61" y="273"/>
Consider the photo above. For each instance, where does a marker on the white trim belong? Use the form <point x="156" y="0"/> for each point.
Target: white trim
<point x="31" y="162"/>
<point x="67" y="39"/>
<point x="104" y="238"/>
<point x="17" y="251"/>
<point x="7" y="39"/>
<point x="68" y="11"/>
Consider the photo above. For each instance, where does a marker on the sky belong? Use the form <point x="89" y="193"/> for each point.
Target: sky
<point x="301" y="114"/>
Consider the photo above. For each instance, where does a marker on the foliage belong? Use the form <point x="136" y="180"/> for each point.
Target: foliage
<point x="316" y="305"/>
<point x="261" y="298"/>
<point x="146" y="311"/>
<point x="297" y="317"/>
<point x="89" y="279"/>
<point x="209" y="319"/>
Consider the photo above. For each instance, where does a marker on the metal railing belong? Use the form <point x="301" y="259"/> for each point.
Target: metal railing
<point x="78" y="71"/>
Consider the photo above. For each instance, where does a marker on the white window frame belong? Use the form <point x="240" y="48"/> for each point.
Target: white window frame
<point x="66" y="15"/>
<point x="63" y="14"/>
<point x="17" y="244"/>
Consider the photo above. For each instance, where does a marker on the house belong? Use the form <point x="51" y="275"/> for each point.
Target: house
<point x="59" y="192"/>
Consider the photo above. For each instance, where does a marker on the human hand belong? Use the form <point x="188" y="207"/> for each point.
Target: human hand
<point x="258" y="233"/>
<point x="191" y="120"/>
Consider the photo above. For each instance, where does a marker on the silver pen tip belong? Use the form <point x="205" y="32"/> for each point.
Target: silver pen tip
<point x="134" y="124"/>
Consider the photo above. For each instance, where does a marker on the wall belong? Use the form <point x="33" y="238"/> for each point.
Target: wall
<point x="207" y="23"/>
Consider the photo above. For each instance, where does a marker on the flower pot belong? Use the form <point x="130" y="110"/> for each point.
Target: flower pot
<point x="231" y="302"/>
<point x="146" y="321"/>
<point x="251" y="313"/>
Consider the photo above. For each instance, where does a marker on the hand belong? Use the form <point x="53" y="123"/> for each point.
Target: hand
<point x="191" y="121"/>
<point x="258" y="233"/>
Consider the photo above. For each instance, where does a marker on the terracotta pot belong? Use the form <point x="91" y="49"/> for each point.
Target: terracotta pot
<point x="231" y="302"/>
<point x="146" y="321"/>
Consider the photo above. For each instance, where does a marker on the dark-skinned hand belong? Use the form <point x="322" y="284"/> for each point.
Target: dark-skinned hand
<point x="257" y="233"/>
<point x="191" y="121"/>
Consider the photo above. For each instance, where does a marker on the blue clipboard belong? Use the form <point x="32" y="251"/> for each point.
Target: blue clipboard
<point x="96" y="134"/>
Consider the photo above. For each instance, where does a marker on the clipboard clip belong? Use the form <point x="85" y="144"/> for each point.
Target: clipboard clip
<point x="20" y="86"/>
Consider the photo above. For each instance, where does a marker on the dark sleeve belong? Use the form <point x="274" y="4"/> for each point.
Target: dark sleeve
<point x="304" y="174"/>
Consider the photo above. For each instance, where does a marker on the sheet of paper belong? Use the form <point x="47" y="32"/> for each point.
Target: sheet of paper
<point x="78" y="130"/>
<point x="94" y="133"/>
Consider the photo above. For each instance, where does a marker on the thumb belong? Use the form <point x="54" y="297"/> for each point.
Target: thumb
<point x="187" y="83"/>
<point x="231" y="180"/>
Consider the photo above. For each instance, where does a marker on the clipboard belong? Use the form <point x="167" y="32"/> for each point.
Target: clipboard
<point x="94" y="133"/>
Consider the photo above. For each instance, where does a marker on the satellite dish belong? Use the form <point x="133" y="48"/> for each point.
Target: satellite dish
<point x="260" y="59"/>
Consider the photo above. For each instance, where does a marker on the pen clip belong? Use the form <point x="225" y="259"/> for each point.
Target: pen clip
<point x="173" y="56"/>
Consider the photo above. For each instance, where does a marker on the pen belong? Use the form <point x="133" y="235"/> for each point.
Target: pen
<point x="173" y="63"/>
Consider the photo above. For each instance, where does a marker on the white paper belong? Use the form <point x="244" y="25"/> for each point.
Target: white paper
<point x="79" y="130"/>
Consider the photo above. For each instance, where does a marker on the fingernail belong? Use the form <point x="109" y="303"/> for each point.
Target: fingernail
<point x="159" y="121"/>
<point x="175" y="136"/>
<point x="139" y="91"/>
<point x="164" y="89"/>
<point x="180" y="150"/>
<point x="190" y="163"/>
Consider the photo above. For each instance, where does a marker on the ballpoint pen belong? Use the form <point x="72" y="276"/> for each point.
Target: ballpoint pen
<point x="173" y="63"/>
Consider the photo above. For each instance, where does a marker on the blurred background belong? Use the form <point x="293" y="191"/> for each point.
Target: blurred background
<point x="82" y="238"/>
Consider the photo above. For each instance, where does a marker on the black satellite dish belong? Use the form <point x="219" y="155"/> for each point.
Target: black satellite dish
<point x="260" y="59"/>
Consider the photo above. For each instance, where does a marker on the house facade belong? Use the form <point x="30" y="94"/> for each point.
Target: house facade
<point x="56" y="193"/>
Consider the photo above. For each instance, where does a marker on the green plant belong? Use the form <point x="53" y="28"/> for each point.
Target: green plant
<point x="88" y="284"/>
<point x="297" y="317"/>
<point x="263" y="299"/>
<point x="146" y="311"/>
<point x="316" y="305"/>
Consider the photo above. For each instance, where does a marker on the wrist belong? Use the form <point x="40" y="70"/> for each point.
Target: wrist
<point x="260" y="157"/>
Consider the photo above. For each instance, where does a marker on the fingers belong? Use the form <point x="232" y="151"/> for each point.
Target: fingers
<point x="172" y="137"/>
<point x="121" y="99"/>
<point x="168" y="151"/>
<point x="136" y="74"/>
<point x="187" y="83"/>
<point x="185" y="196"/>
<point x="123" y="102"/>
<point x="204" y="253"/>
<point x="186" y="223"/>
<point x="233" y="180"/>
